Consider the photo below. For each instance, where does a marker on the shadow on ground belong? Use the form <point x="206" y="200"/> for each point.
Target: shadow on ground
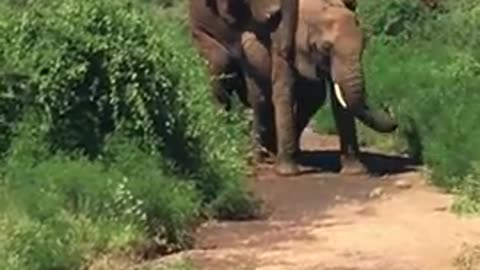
<point x="296" y="206"/>
<point x="299" y="210"/>
<point x="378" y="164"/>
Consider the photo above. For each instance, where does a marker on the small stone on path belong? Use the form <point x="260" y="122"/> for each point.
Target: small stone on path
<point x="376" y="193"/>
<point x="403" y="184"/>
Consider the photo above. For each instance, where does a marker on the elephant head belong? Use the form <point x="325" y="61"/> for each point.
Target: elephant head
<point x="342" y="41"/>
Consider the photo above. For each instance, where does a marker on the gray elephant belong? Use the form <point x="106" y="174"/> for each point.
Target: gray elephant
<point x="216" y="27"/>
<point x="328" y="52"/>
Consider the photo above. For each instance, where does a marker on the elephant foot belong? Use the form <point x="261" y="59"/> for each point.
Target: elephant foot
<point x="352" y="166"/>
<point x="286" y="168"/>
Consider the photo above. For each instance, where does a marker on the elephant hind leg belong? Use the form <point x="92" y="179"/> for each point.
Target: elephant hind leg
<point x="221" y="66"/>
<point x="263" y="129"/>
<point x="256" y="67"/>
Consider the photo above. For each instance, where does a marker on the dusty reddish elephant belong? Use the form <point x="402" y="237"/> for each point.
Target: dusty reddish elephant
<point x="216" y="27"/>
<point x="328" y="49"/>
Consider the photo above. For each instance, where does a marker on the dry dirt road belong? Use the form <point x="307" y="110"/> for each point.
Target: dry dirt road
<point x="325" y="221"/>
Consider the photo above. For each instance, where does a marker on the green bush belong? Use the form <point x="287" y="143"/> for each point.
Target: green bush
<point x="432" y="100"/>
<point x="469" y="192"/>
<point x="97" y="67"/>
<point x="397" y="18"/>
<point x="63" y="211"/>
<point x="430" y="82"/>
<point x="108" y="137"/>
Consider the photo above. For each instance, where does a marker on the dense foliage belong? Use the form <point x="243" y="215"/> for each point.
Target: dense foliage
<point x="109" y="141"/>
<point x="425" y="64"/>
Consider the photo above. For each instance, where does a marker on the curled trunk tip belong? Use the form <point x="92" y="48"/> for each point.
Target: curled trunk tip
<point x="378" y="120"/>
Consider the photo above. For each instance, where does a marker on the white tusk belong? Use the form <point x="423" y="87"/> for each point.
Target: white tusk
<point x="339" y="95"/>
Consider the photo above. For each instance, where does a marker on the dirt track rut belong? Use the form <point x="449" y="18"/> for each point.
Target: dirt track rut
<point x="322" y="220"/>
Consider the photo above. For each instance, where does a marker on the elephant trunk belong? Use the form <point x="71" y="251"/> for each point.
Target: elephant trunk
<point x="350" y="93"/>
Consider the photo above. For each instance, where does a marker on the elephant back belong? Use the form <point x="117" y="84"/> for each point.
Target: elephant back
<point x="204" y="17"/>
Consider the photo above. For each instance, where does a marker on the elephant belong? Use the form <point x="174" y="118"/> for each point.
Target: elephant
<point x="216" y="27"/>
<point x="327" y="55"/>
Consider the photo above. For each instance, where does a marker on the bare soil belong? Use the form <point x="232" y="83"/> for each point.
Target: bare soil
<point x="390" y="220"/>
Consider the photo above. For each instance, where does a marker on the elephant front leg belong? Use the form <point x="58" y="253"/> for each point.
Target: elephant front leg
<point x="282" y="95"/>
<point x="282" y="75"/>
<point x="350" y="161"/>
<point x="256" y="68"/>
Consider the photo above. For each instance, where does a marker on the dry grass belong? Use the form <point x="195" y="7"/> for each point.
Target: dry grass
<point x="469" y="258"/>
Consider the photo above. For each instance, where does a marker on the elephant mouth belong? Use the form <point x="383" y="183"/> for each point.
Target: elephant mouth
<point x="377" y="120"/>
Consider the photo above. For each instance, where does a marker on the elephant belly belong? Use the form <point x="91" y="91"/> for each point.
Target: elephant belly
<point x="310" y="95"/>
<point x="310" y="91"/>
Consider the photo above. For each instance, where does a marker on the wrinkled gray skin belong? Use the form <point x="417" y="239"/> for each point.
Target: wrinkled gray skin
<point x="328" y="50"/>
<point x="217" y="26"/>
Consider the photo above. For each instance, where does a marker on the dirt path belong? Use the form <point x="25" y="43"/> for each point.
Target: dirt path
<point x="331" y="222"/>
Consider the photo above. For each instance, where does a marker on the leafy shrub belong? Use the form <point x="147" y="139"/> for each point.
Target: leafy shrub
<point x="468" y="258"/>
<point x="97" y="67"/>
<point x="109" y="139"/>
<point x="161" y="3"/>
<point x="469" y="192"/>
<point x="392" y="18"/>
<point x="432" y="103"/>
<point x="72" y="209"/>
<point x="430" y="81"/>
